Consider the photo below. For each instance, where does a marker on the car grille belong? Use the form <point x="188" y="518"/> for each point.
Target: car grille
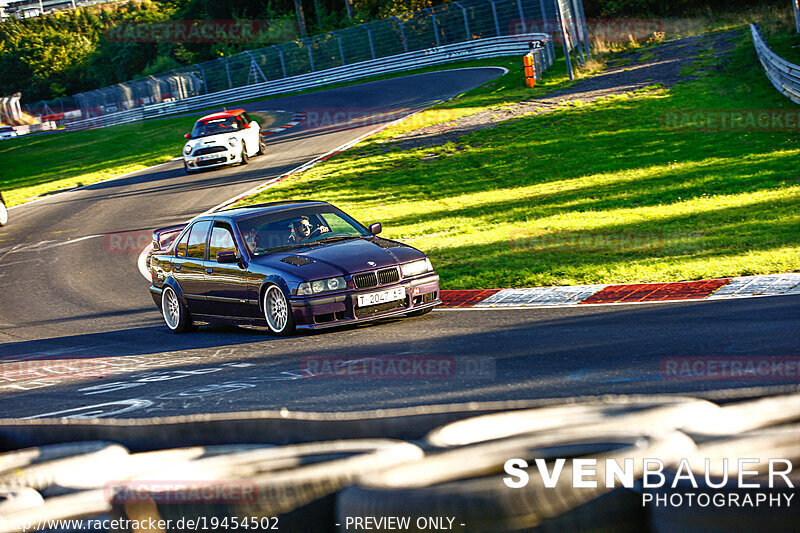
<point x="389" y="275"/>
<point x="371" y="310"/>
<point x="209" y="150"/>
<point x="373" y="279"/>
<point x="365" y="281"/>
<point x="212" y="161"/>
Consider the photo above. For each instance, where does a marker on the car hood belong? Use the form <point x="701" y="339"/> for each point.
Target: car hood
<point x="221" y="139"/>
<point x="341" y="258"/>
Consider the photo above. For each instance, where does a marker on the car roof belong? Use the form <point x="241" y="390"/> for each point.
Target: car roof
<point x="247" y="211"/>
<point x="221" y="114"/>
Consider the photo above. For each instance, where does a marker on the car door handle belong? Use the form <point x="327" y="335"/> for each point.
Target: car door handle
<point x="178" y="268"/>
<point x="209" y="270"/>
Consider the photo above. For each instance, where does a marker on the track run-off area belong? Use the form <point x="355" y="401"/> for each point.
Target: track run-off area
<point x="80" y="336"/>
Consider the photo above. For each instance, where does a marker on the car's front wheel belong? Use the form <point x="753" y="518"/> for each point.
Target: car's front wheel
<point x="262" y="146"/>
<point x="245" y="158"/>
<point x="3" y="213"/>
<point x="175" y="314"/>
<point x="278" y="312"/>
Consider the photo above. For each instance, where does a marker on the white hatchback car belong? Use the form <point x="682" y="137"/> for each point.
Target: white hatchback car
<point x="222" y="139"/>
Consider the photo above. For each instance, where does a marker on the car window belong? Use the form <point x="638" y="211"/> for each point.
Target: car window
<point x="221" y="240"/>
<point x="180" y="250"/>
<point x="339" y="225"/>
<point x="197" y="240"/>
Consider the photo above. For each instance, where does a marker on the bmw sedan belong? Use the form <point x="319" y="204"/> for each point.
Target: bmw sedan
<point x="286" y="265"/>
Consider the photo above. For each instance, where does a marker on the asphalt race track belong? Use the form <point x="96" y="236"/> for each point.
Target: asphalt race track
<point x="80" y="335"/>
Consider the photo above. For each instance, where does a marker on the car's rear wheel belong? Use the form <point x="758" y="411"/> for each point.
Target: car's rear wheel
<point x="245" y="158"/>
<point x="175" y="314"/>
<point x="3" y="213"/>
<point x="278" y="312"/>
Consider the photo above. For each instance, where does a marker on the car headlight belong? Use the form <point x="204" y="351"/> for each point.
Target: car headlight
<point x="233" y="141"/>
<point x="187" y="149"/>
<point x="416" y="267"/>
<point x="323" y="285"/>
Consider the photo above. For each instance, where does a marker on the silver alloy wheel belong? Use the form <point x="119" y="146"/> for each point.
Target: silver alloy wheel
<point x="171" y="308"/>
<point x="3" y="214"/>
<point x="276" y="310"/>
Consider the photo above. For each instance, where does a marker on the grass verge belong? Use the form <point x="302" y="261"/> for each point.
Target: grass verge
<point x="607" y="192"/>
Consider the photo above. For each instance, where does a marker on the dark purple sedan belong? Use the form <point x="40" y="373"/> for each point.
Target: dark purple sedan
<point x="286" y="265"/>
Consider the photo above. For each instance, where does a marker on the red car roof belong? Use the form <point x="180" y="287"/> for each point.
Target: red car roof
<point x="221" y="114"/>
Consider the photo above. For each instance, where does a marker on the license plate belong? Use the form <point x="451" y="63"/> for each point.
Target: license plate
<point x="374" y="298"/>
<point x="209" y="156"/>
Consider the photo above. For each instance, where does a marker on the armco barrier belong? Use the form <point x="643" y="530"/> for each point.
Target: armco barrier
<point x="477" y="49"/>
<point x="784" y="76"/>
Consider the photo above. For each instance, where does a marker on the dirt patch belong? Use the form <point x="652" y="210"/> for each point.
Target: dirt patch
<point x="662" y="65"/>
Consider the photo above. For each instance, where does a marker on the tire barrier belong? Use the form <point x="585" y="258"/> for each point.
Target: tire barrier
<point x="451" y="462"/>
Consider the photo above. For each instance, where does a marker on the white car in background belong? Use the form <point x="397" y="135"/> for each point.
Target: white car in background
<point x="220" y="139"/>
<point x="7" y="132"/>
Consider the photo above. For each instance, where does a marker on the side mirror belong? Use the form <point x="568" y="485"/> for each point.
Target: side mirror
<point x="187" y="136"/>
<point x="227" y="257"/>
<point x="375" y="228"/>
<point x="247" y="126"/>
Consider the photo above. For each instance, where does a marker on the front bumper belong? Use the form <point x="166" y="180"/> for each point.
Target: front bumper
<point x="329" y="311"/>
<point x="219" y="159"/>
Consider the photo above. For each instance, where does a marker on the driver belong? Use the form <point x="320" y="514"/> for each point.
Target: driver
<point x="303" y="229"/>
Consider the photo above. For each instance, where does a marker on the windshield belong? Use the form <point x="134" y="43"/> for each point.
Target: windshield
<point x="204" y="128"/>
<point x="298" y="229"/>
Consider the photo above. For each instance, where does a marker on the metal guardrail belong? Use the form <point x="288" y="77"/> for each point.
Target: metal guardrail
<point x="476" y="49"/>
<point x="784" y="76"/>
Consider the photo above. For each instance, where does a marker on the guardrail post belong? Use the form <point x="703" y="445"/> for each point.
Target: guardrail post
<point x="283" y="62"/>
<point x="203" y="73"/>
<point x="564" y="38"/>
<point x="466" y="20"/>
<point x="227" y="72"/>
<point x="402" y="33"/>
<point x="435" y="27"/>
<point x="585" y="26"/>
<point x="578" y="30"/>
<point x="341" y="50"/>
<point x="310" y="57"/>
<point x="369" y="38"/>
<point x="494" y="14"/>
<point x="255" y="70"/>
<point x="796" y="9"/>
